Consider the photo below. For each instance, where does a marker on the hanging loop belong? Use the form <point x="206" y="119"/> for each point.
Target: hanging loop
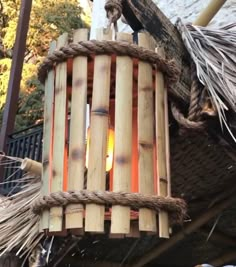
<point x="114" y="11"/>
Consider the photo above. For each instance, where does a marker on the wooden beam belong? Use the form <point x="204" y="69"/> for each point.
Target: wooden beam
<point x="147" y="15"/>
<point x="228" y="257"/>
<point x="219" y="237"/>
<point x="175" y="239"/>
<point x="73" y="261"/>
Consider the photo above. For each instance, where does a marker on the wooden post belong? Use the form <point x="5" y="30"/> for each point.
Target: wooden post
<point x="120" y="219"/>
<point x="190" y="228"/>
<point x="209" y="12"/>
<point x="74" y="212"/>
<point x="161" y="149"/>
<point x="59" y="137"/>
<point x="47" y="138"/>
<point x="94" y="218"/>
<point x="229" y="256"/>
<point x="147" y="218"/>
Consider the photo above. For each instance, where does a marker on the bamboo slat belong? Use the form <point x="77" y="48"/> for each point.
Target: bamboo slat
<point x="74" y="212"/>
<point x="120" y="219"/>
<point x="161" y="149"/>
<point x="59" y="137"/>
<point x="167" y="139"/>
<point x="94" y="218"/>
<point x="147" y="218"/>
<point x="47" y="138"/>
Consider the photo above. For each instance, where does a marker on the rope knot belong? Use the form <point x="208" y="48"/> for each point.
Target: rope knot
<point x="114" y="10"/>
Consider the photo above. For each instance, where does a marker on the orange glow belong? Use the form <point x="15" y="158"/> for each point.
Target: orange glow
<point x="110" y="149"/>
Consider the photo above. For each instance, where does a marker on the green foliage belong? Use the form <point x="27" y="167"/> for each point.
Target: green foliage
<point x="49" y="19"/>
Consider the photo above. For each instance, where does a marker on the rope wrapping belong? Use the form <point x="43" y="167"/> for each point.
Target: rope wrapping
<point x="94" y="47"/>
<point x="174" y="206"/>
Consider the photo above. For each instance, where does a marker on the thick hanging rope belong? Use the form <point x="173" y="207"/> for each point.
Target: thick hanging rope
<point x="114" y="10"/>
<point x="94" y="47"/>
<point x="174" y="206"/>
<point x="194" y="117"/>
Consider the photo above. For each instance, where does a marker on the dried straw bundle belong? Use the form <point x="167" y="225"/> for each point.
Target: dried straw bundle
<point x="214" y="53"/>
<point x="19" y="226"/>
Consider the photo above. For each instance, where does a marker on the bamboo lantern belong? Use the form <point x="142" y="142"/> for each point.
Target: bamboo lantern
<point x="124" y="154"/>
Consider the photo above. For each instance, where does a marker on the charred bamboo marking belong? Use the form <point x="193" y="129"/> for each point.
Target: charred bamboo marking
<point x="100" y="112"/>
<point x="58" y="90"/>
<point x="104" y="68"/>
<point x="77" y="154"/>
<point x="164" y="180"/>
<point x="147" y="89"/>
<point x="79" y="83"/>
<point x="54" y="173"/>
<point x="146" y="145"/>
<point x="46" y="161"/>
<point x="121" y="160"/>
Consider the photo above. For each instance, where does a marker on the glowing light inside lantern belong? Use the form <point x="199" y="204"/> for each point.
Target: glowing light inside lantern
<point x="110" y="149"/>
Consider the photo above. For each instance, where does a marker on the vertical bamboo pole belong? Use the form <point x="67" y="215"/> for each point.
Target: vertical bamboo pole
<point x="74" y="212"/>
<point x="47" y="139"/>
<point x="161" y="149"/>
<point x="94" y="218"/>
<point x="120" y="219"/>
<point x="59" y="137"/>
<point x="147" y="218"/>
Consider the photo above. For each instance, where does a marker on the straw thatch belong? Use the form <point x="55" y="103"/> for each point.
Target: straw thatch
<point x="19" y="226"/>
<point x="213" y="51"/>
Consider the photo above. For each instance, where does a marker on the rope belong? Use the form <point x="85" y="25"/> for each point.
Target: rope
<point x="185" y="122"/>
<point x="114" y="10"/>
<point x="194" y="111"/>
<point x="94" y="47"/>
<point x="174" y="206"/>
<point x="193" y="119"/>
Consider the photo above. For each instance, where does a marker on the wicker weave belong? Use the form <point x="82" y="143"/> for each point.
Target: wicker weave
<point x="199" y="167"/>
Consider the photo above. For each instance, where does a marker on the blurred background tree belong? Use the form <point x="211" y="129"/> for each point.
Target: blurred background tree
<point x="49" y="19"/>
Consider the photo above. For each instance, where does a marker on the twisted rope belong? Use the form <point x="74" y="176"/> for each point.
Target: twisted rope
<point x="94" y="47"/>
<point x="194" y="111"/>
<point x="114" y="10"/>
<point x="174" y="206"/>
<point x="193" y="120"/>
<point x="185" y="122"/>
